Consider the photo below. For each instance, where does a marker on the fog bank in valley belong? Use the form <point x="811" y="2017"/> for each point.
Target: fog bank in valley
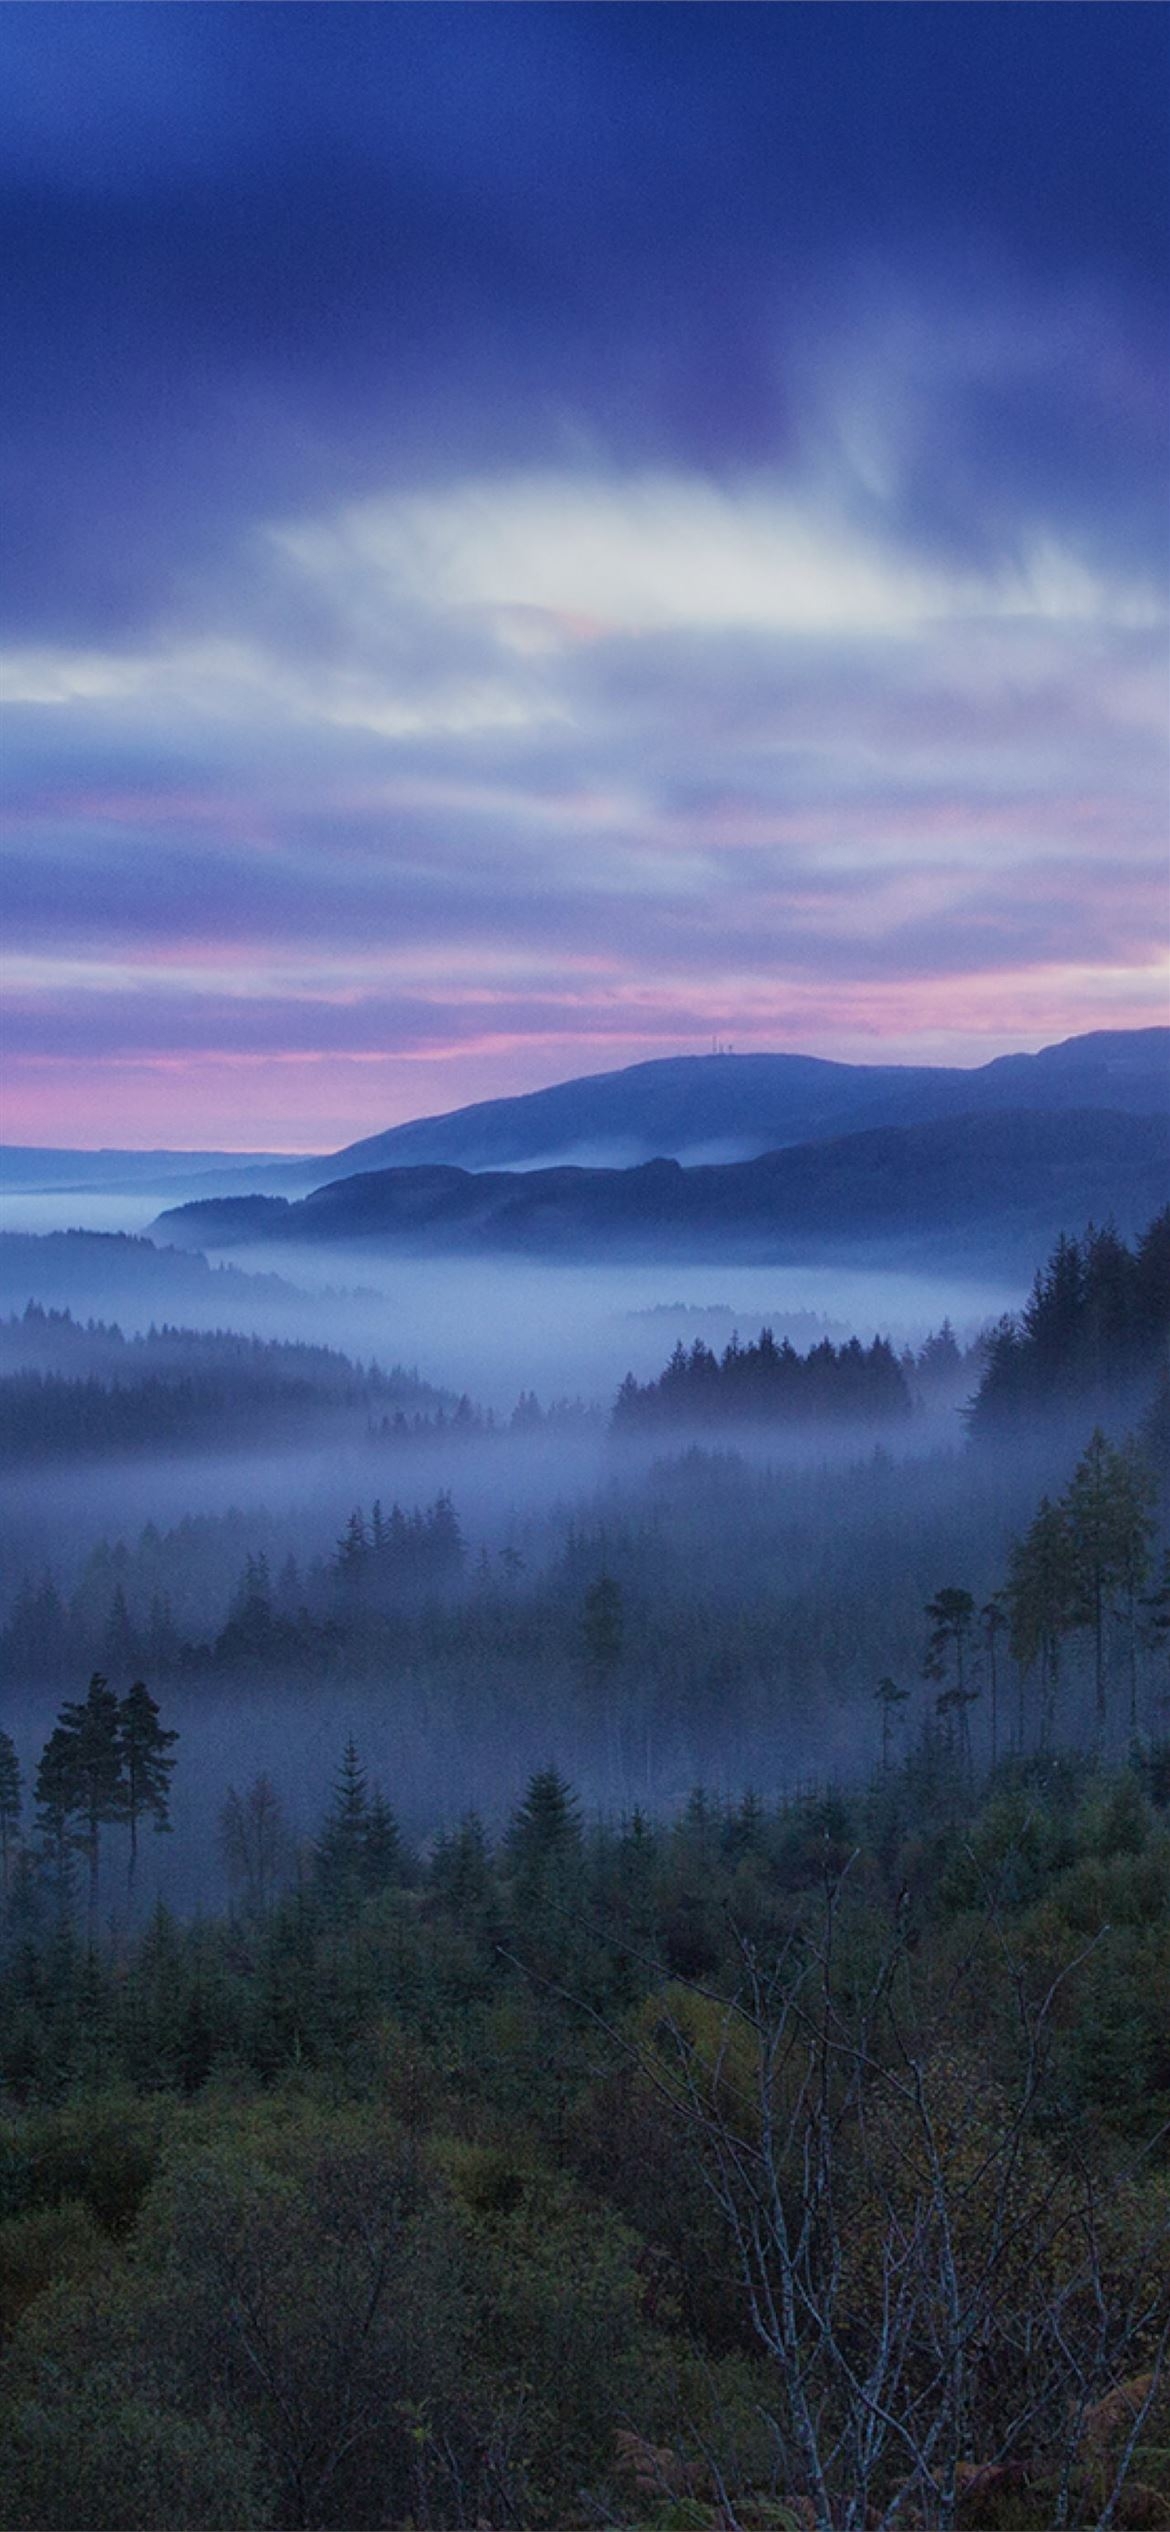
<point x="407" y="1510"/>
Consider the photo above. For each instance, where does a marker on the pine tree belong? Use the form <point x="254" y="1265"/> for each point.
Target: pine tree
<point x="952" y="1617"/>
<point x="339" y="1864"/>
<point x="93" y="1775"/>
<point x="1107" y="1514"/>
<point x="547" y="1826"/>
<point x="144" y="1744"/>
<point x="381" y="1846"/>
<point x="353" y="1550"/>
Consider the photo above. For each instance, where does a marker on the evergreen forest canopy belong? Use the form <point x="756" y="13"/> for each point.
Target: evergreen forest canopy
<point x="469" y="2121"/>
<point x="599" y="2171"/>
<point x="68" y="1389"/>
<point x="856" y="1383"/>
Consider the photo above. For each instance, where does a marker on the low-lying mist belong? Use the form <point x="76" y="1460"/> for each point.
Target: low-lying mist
<point x="493" y="1327"/>
<point x="472" y="1567"/>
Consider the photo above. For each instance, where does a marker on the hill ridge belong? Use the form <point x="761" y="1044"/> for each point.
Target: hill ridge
<point x="1012" y="1177"/>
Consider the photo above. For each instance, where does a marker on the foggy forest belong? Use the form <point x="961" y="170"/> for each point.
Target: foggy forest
<point x="463" y="1854"/>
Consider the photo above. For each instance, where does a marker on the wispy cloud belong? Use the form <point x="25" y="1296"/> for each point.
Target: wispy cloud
<point x="492" y="595"/>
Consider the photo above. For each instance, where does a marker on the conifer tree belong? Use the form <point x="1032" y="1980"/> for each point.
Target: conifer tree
<point x="353" y="1548"/>
<point x="341" y="1848"/>
<point x="145" y="1744"/>
<point x="952" y="1615"/>
<point x="1107" y="1514"/>
<point x="993" y="1619"/>
<point x="93" y="1775"/>
<point x="381" y="1846"/>
<point x="547" y="1826"/>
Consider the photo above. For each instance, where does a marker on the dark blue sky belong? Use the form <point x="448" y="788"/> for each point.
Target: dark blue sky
<point x="537" y="532"/>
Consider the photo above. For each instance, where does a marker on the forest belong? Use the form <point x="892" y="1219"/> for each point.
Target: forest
<point x="780" y="2165"/>
<point x="615" y="1974"/>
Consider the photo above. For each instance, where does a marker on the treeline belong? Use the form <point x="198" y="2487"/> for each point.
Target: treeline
<point x="78" y="1390"/>
<point x="768" y="1382"/>
<point x="535" y="2179"/>
<point x="739" y="1608"/>
<point x="1092" y="1341"/>
<point x="37" y="1339"/>
<point x="72" y="1389"/>
<point x="110" y="1272"/>
<point x="122" y="1610"/>
<point x="1090" y="1344"/>
<point x="1082" y="1575"/>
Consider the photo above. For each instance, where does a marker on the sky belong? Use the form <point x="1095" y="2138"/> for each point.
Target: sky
<point x="541" y="536"/>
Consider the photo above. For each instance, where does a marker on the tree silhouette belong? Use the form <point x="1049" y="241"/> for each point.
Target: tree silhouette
<point x="91" y="1774"/>
<point x="341" y="1847"/>
<point x="1107" y="1514"/>
<point x="993" y="1619"/>
<point x="147" y="1768"/>
<point x="952" y="1618"/>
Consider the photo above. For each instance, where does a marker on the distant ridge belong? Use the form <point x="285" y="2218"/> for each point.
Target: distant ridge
<point x="693" y="1108"/>
<point x="734" y="1107"/>
<point x="996" y="1186"/>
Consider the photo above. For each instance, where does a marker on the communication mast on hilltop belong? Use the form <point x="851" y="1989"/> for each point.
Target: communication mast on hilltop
<point x="722" y="1046"/>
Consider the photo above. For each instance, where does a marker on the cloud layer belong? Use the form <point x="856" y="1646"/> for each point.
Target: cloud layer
<point x="544" y="536"/>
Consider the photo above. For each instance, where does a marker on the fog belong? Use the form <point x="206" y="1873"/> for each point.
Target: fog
<point x="495" y="1326"/>
<point x="88" y="1209"/>
<point x="413" y="1558"/>
<point x="492" y="1327"/>
<point x="758" y="1602"/>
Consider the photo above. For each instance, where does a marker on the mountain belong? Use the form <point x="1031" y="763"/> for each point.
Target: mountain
<point x="689" y="1107"/>
<point x="1000" y="1186"/>
<point x="734" y="1107"/>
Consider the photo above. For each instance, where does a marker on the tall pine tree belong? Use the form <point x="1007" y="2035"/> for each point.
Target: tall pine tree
<point x="144" y="1744"/>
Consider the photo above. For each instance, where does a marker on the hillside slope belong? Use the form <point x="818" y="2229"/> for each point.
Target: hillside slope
<point x="724" y="1107"/>
<point x="693" y="1108"/>
<point x="988" y="1186"/>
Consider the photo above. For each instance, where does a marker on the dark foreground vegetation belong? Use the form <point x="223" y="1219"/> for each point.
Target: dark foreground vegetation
<point x="793" y="2166"/>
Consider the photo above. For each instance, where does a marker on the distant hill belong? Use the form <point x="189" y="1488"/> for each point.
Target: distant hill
<point x="692" y="1108"/>
<point x="110" y="1275"/>
<point x="992" y="1187"/>
<point x="734" y="1107"/>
